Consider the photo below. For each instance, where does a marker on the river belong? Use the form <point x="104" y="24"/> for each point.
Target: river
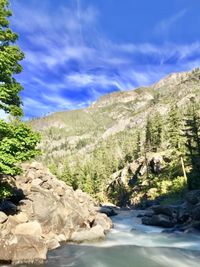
<point x="130" y="244"/>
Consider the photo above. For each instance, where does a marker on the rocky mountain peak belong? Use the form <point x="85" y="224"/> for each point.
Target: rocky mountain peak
<point x="175" y="79"/>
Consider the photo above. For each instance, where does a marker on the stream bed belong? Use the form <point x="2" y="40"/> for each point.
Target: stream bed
<point x="130" y="244"/>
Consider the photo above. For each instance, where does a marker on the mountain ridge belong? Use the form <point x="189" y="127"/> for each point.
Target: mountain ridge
<point x="76" y="130"/>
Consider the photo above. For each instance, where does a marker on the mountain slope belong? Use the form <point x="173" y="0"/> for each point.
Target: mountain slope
<point x="79" y="131"/>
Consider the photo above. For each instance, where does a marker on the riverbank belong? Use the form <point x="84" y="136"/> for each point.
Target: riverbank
<point x="130" y="243"/>
<point x="182" y="217"/>
<point x="44" y="213"/>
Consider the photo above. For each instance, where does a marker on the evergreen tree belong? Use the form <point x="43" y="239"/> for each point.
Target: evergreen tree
<point x="17" y="141"/>
<point x="192" y="134"/>
<point x="174" y="127"/>
<point x="10" y="55"/>
<point x="148" y="136"/>
<point x="68" y="176"/>
<point x="154" y="129"/>
<point x="138" y="149"/>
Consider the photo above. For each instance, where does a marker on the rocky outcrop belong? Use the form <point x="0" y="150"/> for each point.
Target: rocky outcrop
<point x="47" y="213"/>
<point x="132" y="179"/>
<point x="184" y="217"/>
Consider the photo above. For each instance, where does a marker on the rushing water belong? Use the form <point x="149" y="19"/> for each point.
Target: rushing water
<point x="130" y="244"/>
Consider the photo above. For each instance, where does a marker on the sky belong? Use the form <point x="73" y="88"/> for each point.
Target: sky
<point x="78" y="50"/>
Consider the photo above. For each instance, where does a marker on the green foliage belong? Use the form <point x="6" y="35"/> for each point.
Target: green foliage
<point x="174" y="128"/>
<point x="6" y="190"/>
<point x="138" y="149"/>
<point x="17" y="144"/>
<point x="17" y="141"/>
<point x="154" y="128"/>
<point x="68" y="176"/>
<point x="10" y="55"/>
<point x="192" y="135"/>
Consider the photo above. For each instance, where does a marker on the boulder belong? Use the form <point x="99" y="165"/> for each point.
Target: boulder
<point x="3" y="217"/>
<point x="93" y="234"/>
<point x="156" y="164"/>
<point x="23" y="249"/>
<point x="196" y="213"/>
<point x="109" y="211"/>
<point x="21" y="217"/>
<point x="147" y="213"/>
<point x="166" y="210"/>
<point x="29" y="228"/>
<point x="52" y="244"/>
<point x="103" y="221"/>
<point x="159" y="220"/>
<point x="51" y="212"/>
<point x="193" y="197"/>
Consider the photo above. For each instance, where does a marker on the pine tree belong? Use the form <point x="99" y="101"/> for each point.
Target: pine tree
<point x="154" y="128"/>
<point x="138" y="149"/>
<point x="148" y="136"/>
<point x="17" y="141"/>
<point x="174" y="127"/>
<point x="192" y="134"/>
<point x="10" y="55"/>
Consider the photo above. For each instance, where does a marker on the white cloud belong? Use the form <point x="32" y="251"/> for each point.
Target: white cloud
<point x="51" y="41"/>
<point x="165" y="25"/>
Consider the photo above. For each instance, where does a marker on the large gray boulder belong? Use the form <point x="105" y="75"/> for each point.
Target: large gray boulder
<point x="52" y="212"/>
<point x="93" y="234"/>
<point x="23" y="249"/>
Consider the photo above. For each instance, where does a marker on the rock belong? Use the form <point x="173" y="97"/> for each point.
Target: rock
<point x="52" y="244"/>
<point x="93" y="234"/>
<point x="147" y="213"/>
<point x="3" y="217"/>
<point x="193" y="197"/>
<point x="30" y="175"/>
<point x="21" y="217"/>
<point x="8" y="207"/>
<point x="196" y="225"/>
<point x="36" y="182"/>
<point x="51" y="210"/>
<point x="60" y="191"/>
<point x="23" y="249"/>
<point x="183" y="215"/>
<point x="156" y="164"/>
<point x="103" y="221"/>
<point x="109" y="211"/>
<point x="166" y="210"/>
<point x="159" y="220"/>
<point x="29" y="228"/>
<point x="61" y="238"/>
<point x="196" y="213"/>
<point x="10" y="224"/>
<point x="36" y="165"/>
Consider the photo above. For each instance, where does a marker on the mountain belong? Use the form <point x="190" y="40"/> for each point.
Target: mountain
<point x="80" y="131"/>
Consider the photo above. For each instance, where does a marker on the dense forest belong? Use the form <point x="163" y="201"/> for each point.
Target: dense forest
<point x="175" y="137"/>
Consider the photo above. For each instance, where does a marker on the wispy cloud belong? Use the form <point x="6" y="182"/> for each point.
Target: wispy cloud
<point x="166" y="24"/>
<point x="69" y="62"/>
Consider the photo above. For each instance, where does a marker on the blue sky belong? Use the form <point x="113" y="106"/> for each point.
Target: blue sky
<point x="78" y="50"/>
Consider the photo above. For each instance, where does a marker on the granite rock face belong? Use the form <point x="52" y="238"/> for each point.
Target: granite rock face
<point x="49" y="213"/>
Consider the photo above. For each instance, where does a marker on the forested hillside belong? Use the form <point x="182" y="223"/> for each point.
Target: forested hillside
<point x="110" y="148"/>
